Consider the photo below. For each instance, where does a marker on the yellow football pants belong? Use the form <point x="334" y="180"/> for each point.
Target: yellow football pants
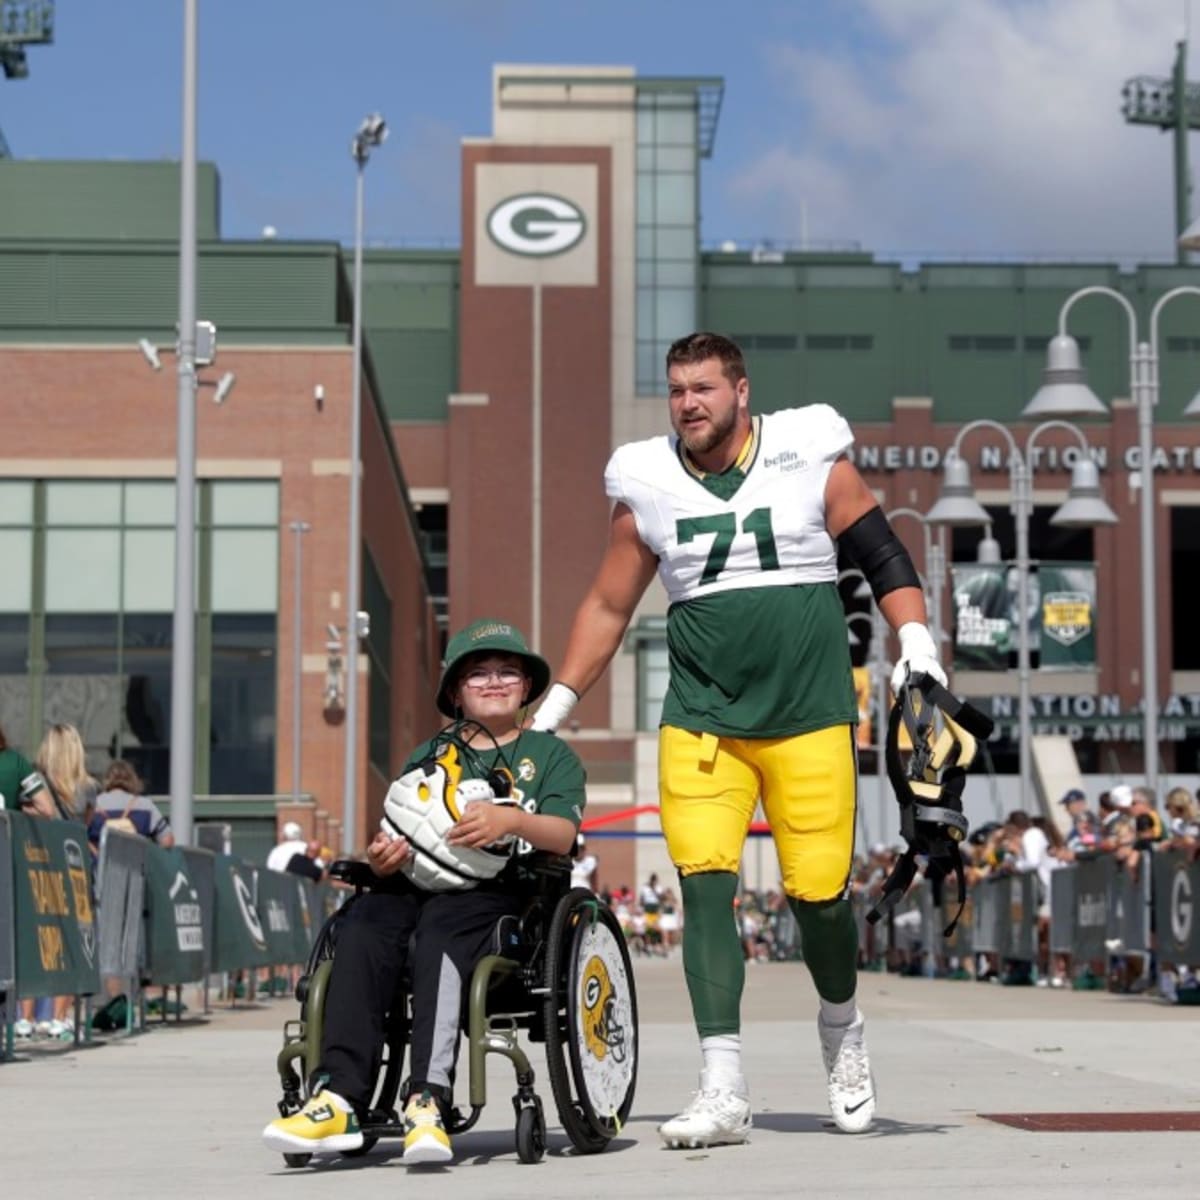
<point x="709" y="786"/>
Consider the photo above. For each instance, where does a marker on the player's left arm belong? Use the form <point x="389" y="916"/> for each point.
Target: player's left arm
<point x="853" y="517"/>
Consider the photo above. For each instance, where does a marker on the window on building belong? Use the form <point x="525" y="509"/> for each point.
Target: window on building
<point x="86" y="623"/>
<point x="667" y="222"/>
<point x="985" y="343"/>
<point x="649" y="642"/>
<point x="378" y="645"/>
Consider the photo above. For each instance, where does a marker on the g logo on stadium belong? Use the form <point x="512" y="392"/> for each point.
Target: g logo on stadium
<point x="536" y="224"/>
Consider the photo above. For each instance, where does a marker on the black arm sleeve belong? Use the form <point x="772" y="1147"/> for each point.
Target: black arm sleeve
<point x="879" y="554"/>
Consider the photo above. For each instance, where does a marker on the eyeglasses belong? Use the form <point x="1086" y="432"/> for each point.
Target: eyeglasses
<point x="479" y="677"/>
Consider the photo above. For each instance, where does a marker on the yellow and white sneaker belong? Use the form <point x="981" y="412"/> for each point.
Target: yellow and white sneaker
<point x="425" y="1136"/>
<point x="325" y="1123"/>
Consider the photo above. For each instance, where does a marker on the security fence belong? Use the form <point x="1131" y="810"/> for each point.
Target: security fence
<point x="1097" y="907"/>
<point x="147" y="916"/>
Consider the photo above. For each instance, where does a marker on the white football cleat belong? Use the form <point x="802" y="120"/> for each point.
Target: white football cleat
<point x="718" y="1115"/>
<point x="851" y="1084"/>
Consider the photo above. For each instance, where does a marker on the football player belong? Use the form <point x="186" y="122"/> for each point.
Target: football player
<point x="489" y="676"/>
<point x="741" y="517"/>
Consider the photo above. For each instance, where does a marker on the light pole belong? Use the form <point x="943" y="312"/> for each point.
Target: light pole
<point x="183" y="622"/>
<point x="1064" y="391"/>
<point x="299" y="528"/>
<point x="878" y="669"/>
<point x="371" y="133"/>
<point x="1084" y="506"/>
<point x="935" y="567"/>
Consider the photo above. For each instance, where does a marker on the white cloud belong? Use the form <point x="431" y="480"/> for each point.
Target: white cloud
<point x="988" y="127"/>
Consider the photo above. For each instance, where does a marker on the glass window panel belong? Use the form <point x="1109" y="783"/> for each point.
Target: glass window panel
<point x="676" y="274"/>
<point x="83" y="570"/>
<point x="645" y="122"/>
<point x="242" y="738"/>
<point x="16" y="503"/>
<point x="645" y="158"/>
<point x="653" y="672"/>
<point x="676" y="126"/>
<point x="245" y="573"/>
<point x="379" y="719"/>
<point x="645" y="242"/>
<point x="72" y="503"/>
<point x="14" y="683"/>
<point x="81" y="686"/>
<point x="145" y="728"/>
<point x="645" y="313"/>
<point x="675" y="199"/>
<point x="645" y="273"/>
<point x="245" y="503"/>
<point x="674" y="313"/>
<point x="149" y="570"/>
<point x="676" y="158"/>
<point x="645" y="199"/>
<point x="150" y="503"/>
<point x="16" y="579"/>
<point x="676" y="243"/>
<point x="649" y="372"/>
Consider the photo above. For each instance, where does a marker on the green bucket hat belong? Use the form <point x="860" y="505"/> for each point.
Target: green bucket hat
<point x="490" y="637"/>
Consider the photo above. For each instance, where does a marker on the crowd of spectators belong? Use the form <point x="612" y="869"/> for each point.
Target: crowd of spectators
<point x="57" y="786"/>
<point x="1126" y="824"/>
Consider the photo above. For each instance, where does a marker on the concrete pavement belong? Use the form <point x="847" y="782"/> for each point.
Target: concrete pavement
<point x="177" y="1111"/>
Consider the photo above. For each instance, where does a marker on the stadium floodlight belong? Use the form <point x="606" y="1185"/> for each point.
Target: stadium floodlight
<point x="224" y="387"/>
<point x="150" y="353"/>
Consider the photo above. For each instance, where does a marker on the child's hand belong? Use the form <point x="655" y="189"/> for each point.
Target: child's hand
<point x="387" y="853"/>
<point x="482" y="824"/>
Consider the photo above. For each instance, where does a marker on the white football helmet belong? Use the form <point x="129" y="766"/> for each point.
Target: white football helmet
<point x="423" y="806"/>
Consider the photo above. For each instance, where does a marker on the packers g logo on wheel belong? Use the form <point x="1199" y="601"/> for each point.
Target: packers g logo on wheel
<point x="600" y="1032"/>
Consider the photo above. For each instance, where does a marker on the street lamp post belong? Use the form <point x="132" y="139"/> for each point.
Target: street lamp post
<point x="371" y="133"/>
<point x="183" y="622"/>
<point x="1084" y="506"/>
<point x="299" y="528"/>
<point x="1065" y="392"/>
<point x="935" y="567"/>
<point x="878" y="669"/>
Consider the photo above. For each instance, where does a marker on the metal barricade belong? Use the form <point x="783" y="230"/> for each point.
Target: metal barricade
<point x="1093" y="887"/>
<point x="8" y="946"/>
<point x="1062" y="910"/>
<point x="1129" y="909"/>
<point x="1176" y="888"/>
<point x="120" y="898"/>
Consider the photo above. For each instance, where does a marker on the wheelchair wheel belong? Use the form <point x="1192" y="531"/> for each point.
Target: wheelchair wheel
<point x="531" y="1134"/>
<point x="369" y="1142"/>
<point x="297" y="1160"/>
<point x="591" y="1010"/>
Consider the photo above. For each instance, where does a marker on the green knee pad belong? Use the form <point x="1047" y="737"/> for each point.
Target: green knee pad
<point x="829" y="938"/>
<point x="712" y="952"/>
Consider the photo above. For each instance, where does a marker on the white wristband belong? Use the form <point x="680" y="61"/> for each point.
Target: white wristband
<point x="555" y="708"/>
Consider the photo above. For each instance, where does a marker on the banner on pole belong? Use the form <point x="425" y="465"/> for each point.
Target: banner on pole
<point x="1068" y="614"/>
<point x="983" y="617"/>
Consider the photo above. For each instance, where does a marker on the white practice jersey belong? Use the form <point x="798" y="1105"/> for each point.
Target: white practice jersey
<point x="769" y="533"/>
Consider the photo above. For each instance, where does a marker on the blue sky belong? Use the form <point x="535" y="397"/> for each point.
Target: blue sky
<point x="928" y="128"/>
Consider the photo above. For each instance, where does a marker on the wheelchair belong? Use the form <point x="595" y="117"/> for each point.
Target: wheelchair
<point x="560" y="972"/>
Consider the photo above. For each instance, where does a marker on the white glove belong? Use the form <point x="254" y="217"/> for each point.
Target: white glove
<point x="917" y="653"/>
<point x="554" y="709"/>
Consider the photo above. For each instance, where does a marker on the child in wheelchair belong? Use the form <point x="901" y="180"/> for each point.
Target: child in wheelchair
<point x="431" y="911"/>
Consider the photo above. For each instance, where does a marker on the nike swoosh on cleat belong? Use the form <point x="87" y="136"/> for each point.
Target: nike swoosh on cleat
<point x="850" y="1110"/>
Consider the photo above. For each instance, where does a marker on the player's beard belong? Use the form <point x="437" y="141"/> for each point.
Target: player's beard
<point x="701" y="441"/>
